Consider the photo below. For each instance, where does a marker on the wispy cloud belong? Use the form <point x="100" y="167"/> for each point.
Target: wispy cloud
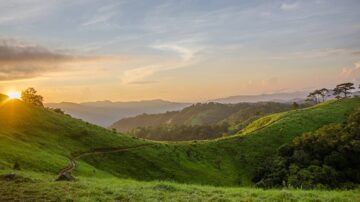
<point x="141" y="74"/>
<point x="289" y="6"/>
<point x="103" y="16"/>
<point x="185" y="49"/>
<point x="318" y="53"/>
<point x="15" y="11"/>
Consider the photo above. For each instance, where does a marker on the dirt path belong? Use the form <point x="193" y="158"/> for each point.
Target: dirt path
<point x="65" y="173"/>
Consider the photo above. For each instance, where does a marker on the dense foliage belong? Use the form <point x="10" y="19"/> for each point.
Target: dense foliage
<point x="183" y="132"/>
<point x="327" y="158"/>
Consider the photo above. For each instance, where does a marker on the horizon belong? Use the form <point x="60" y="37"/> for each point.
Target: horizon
<point x="178" y="51"/>
<point x="174" y="101"/>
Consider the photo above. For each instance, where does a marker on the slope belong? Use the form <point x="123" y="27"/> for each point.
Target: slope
<point x="237" y="115"/>
<point x="41" y="140"/>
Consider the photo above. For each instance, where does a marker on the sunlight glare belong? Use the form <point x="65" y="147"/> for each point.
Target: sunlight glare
<point x="14" y="95"/>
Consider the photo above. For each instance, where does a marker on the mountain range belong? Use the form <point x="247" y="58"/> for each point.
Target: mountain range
<point x="216" y="120"/>
<point x="298" y="96"/>
<point x="104" y="113"/>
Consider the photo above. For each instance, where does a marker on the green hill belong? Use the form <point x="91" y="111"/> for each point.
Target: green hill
<point x="199" y="121"/>
<point x="41" y="140"/>
<point x="30" y="186"/>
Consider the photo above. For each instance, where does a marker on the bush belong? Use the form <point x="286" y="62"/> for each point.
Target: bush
<point x="327" y="158"/>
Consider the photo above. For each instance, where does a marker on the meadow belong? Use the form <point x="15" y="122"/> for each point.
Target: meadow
<point x="36" y="143"/>
<point x="34" y="186"/>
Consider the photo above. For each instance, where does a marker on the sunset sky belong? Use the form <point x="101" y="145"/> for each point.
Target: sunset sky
<point x="178" y="50"/>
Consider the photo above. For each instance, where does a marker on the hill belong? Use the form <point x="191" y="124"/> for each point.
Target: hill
<point x="36" y="139"/>
<point x="327" y="158"/>
<point x="275" y="97"/>
<point x="215" y="119"/>
<point x="104" y="113"/>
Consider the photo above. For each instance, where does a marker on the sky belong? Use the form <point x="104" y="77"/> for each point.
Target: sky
<point x="177" y="50"/>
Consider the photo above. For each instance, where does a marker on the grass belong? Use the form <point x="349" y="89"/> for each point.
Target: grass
<point x="42" y="141"/>
<point x="32" y="186"/>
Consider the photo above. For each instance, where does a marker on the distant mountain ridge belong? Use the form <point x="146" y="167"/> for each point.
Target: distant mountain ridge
<point x="298" y="96"/>
<point x="104" y="113"/>
<point x="202" y="114"/>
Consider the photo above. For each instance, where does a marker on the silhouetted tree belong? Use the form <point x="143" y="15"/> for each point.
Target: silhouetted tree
<point x="323" y="92"/>
<point x="313" y="97"/>
<point x="29" y="96"/>
<point x="343" y="88"/>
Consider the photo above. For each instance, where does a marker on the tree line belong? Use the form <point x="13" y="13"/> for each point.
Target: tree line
<point x="341" y="91"/>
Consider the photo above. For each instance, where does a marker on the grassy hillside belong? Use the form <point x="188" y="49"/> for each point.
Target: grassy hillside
<point x="30" y="186"/>
<point x="201" y="114"/>
<point x="41" y="140"/>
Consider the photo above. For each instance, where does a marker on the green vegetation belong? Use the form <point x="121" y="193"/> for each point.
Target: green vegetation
<point x="327" y="158"/>
<point x="41" y="140"/>
<point x="199" y="121"/>
<point x="171" y="132"/>
<point x="30" y="186"/>
<point x="30" y="96"/>
<point x="36" y="143"/>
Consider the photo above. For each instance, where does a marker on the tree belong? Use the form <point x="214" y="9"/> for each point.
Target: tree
<point x="58" y="110"/>
<point x="323" y="92"/>
<point x="343" y="88"/>
<point x="312" y="98"/>
<point x="29" y="96"/>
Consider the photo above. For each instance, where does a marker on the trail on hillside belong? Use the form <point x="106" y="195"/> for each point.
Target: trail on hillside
<point x="65" y="173"/>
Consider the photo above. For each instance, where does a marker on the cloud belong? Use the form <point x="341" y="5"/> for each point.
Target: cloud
<point x="18" y="11"/>
<point x="185" y="53"/>
<point x="103" y="16"/>
<point x="351" y="73"/>
<point x="318" y="53"/>
<point x="139" y="75"/>
<point x="289" y="6"/>
<point x="185" y="49"/>
<point x="19" y="60"/>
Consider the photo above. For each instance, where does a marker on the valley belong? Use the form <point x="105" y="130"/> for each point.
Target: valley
<point x="228" y="161"/>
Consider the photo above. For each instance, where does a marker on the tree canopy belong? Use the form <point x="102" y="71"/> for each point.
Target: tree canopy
<point x="327" y="158"/>
<point x="30" y="96"/>
<point x="344" y="88"/>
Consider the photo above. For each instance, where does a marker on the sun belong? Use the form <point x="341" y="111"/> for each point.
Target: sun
<point x="14" y="95"/>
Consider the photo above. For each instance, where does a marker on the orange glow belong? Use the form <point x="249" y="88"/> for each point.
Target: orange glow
<point x="14" y="95"/>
